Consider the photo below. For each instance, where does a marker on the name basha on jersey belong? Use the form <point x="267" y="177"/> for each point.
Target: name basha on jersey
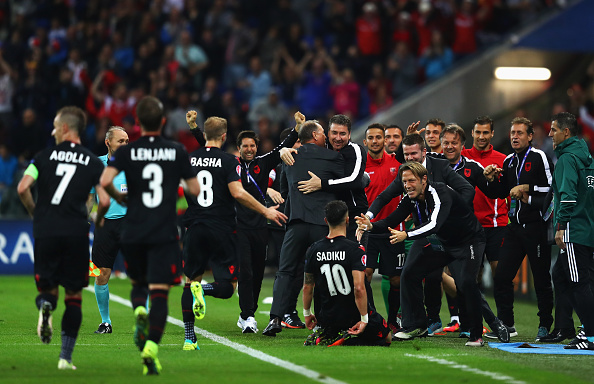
<point x="153" y="167"/>
<point x="214" y="205"/>
<point x="66" y="174"/>
<point x="332" y="262"/>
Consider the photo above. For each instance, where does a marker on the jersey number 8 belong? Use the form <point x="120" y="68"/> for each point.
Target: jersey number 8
<point x="206" y="195"/>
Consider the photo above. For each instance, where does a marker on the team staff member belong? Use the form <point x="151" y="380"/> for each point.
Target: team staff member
<point x="350" y="188"/>
<point x="394" y="136"/>
<point x="154" y="167"/>
<point x="306" y="215"/>
<point x="382" y="168"/>
<point x="491" y="213"/>
<point x="64" y="175"/>
<point x="335" y="267"/>
<point x="252" y="231"/>
<point x="436" y="210"/>
<point x="107" y="241"/>
<point x="526" y="177"/>
<point x="452" y="139"/>
<point x="210" y="220"/>
<point x="573" y="188"/>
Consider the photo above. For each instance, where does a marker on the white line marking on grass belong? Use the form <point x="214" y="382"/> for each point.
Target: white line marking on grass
<point x="466" y="368"/>
<point x="242" y="348"/>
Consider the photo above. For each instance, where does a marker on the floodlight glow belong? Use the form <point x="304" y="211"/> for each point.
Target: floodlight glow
<point x="522" y="73"/>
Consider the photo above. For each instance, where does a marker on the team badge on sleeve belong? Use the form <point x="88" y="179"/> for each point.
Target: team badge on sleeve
<point x="238" y="170"/>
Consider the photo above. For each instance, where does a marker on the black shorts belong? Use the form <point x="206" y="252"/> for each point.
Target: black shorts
<point x="388" y="257"/>
<point x="107" y="243"/>
<point x="153" y="263"/>
<point x="375" y="332"/>
<point x="62" y="261"/>
<point x="205" y="246"/>
<point x="495" y="237"/>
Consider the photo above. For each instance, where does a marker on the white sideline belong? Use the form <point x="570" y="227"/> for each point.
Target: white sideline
<point x="466" y="368"/>
<point x="242" y="348"/>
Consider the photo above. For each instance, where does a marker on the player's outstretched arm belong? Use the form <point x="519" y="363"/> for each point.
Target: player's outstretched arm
<point x="250" y="202"/>
<point x="196" y="132"/>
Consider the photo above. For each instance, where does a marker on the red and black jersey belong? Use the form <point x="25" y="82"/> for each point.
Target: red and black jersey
<point x="490" y="212"/>
<point x="214" y="205"/>
<point x="332" y="262"/>
<point x="67" y="172"/>
<point x="154" y="167"/>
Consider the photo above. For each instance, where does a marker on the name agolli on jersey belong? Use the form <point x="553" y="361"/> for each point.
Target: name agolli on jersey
<point x="70" y="157"/>
<point x="330" y="256"/>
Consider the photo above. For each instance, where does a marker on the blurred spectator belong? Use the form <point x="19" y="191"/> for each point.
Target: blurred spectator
<point x="345" y="93"/>
<point x="380" y="101"/>
<point x="78" y="67"/>
<point x="378" y="80"/>
<point x="191" y="57"/>
<point x="239" y="46"/>
<point x="314" y="92"/>
<point x="65" y="92"/>
<point x="212" y="103"/>
<point x="369" y="32"/>
<point x="540" y="140"/>
<point x="28" y="135"/>
<point x="465" y="30"/>
<point x="176" y="127"/>
<point x="114" y="105"/>
<point x="257" y="84"/>
<point x="172" y="29"/>
<point x="272" y="109"/>
<point x="437" y="58"/>
<point x="7" y="77"/>
<point x="403" y="32"/>
<point x="402" y="69"/>
<point x="8" y="167"/>
<point x="271" y="44"/>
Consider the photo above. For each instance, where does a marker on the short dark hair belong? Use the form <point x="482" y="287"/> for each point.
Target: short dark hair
<point x="436" y="121"/>
<point x="336" y="212"/>
<point x="456" y="130"/>
<point x="247" y="135"/>
<point x="483" y="120"/>
<point x="214" y="128"/>
<point x="417" y="169"/>
<point x="340" y="120"/>
<point x="397" y="127"/>
<point x="285" y="133"/>
<point x="526" y="122"/>
<point x="567" y="120"/>
<point x="149" y="111"/>
<point x="74" y="117"/>
<point x="307" y="130"/>
<point x="412" y="139"/>
<point x="375" y="126"/>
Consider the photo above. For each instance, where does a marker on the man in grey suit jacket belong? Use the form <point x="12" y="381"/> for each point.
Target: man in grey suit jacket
<point x="306" y="214"/>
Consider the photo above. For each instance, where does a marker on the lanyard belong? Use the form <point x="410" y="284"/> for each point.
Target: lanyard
<point x="418" y="212"/>
<point x="247" y="172"/>
<point x="522" y="165"/>
<point x="457" y="164"/>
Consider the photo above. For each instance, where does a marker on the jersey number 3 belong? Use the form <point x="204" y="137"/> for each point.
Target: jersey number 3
<point x="337" y="279"/>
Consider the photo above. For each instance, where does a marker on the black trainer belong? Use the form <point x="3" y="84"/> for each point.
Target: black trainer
<point x="558" y="335"/>
<point x="292" y="321"/>
<point x="581" y="345"/>
<point x="500" y="330"/>
<point x="104" y="328"/>
<point x="273" y="327"/>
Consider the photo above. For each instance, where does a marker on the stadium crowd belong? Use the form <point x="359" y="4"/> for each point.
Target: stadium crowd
<point x="253" y="63"/>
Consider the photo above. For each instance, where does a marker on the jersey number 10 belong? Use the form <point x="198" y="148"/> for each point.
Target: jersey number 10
<point x="337" y="279"/>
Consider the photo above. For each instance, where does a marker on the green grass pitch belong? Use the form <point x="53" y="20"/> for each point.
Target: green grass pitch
<point x="253" y="358"/>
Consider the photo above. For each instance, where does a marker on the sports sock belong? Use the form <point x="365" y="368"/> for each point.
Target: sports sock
<point x="452" y="305"/>
<point x="138" y="296"/>
<point x="158" y="314"/>
<point x="385" y="287"/>
<point x="102" y="296"/>
<point x="187" y="313"/>
<point x="455" y="318"/>
<point x="218" y="289"/>
<point x="393" y="304"/>
<point x="70" y="325"/>
<point x="53" y="300"/>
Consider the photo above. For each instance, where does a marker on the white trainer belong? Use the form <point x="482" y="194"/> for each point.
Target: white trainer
<point x="250" y="325"/>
